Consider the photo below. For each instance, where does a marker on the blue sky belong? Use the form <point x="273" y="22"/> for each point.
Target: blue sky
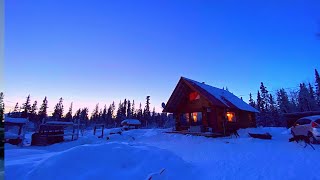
<point x="98" y="51"/>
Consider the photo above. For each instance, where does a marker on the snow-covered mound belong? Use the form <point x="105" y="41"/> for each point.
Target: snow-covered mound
<point x="106" y="161"/>
<point x="131" y="122"/>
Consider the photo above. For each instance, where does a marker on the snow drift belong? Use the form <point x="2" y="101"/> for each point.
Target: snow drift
<point x="107" y="161"/>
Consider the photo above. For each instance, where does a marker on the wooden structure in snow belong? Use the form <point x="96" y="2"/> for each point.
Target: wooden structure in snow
<point x="14" y="130"/>
<point x="198" y="107"/>
<point x="291" y="118"/>
<point x="54" y="132"/>
<point x="96" y="127"/>
<point x="130" y="124"/>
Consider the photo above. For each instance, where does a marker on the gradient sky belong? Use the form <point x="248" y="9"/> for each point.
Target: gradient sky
<point x="97" y="51"/>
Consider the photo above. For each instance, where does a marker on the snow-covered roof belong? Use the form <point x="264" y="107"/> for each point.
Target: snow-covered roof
<point x="131" y="122"/>
<point x="224" y="96"/>
<point x="16" y="120"/>
<point x="59" y="123"/>
<point x="313" y="118"/>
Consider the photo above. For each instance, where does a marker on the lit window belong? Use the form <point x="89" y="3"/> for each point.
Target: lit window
<point x="231" y="117"/>
<point x="194" y="96"/>
<point x="196" y="116"/>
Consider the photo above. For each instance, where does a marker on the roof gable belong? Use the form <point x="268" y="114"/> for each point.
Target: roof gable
<point x="225" y="97"/>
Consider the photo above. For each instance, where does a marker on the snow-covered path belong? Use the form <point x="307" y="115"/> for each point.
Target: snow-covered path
<point x="182" y="157"/>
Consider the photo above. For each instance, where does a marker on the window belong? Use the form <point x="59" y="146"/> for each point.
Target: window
<point x="196" y="118"/>
<point x="303" y="121"/>
<point x="194" y="96"/>
<point x="231" y="117"/>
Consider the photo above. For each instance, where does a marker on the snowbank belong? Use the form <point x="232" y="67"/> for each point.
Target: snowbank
<point x="104" y="161"/>
<point x="16" y="120"/>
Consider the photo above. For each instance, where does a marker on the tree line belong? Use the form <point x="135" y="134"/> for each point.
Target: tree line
<point x="107" y="115"/>
<point x="272" y="107"/>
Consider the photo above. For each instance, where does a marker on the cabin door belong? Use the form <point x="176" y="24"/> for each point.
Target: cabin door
<point x="212" y="120"/>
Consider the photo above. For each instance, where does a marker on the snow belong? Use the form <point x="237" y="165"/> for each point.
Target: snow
<point x="11" y="135"/>
<point x="16" y="120"/>
<point x="131" y="122"/>
<point x="59" y="123"/>
<point x="223" y="95"/>
<point x="313" y="118"/>
<point x="155" y="153"/>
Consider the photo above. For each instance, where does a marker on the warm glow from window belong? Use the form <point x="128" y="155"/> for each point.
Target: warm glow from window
<point x="231" y="117"/>
<point x="194" y="96"/>
<point x="194" y="115"/>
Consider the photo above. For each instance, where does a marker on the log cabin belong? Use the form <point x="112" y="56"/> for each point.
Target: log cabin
<point x="199" y="107"/>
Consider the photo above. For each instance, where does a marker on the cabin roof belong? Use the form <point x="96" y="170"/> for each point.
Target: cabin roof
<point x="215" y="96"/>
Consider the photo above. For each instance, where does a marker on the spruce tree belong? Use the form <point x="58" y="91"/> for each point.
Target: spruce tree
<point x="139" y="113"/>
<point x="84" y="116"/>
<point x="95" y="114"/>
<point x="68" y="116"/>
<point x="283" y="101"/>
<point x="104" y="116"/>
<point x="43" y="109"/>
<point x="16" y="110"/>
<point x="26" y="108"/>
<point x="133" y="113"/>
<point x="264" y="97"/>
<point x="77" y="115"/>
<point x="317" y="87"/>
<point x="119" y="116"/>
<point x="1" y="109"/>
<point x="146" y="112"/>
<point x="304" y="98"/>
<point x="259" y="102"/>
<point x="312" y="98"/>
<point x="129" y="115"/>
<point x="251" y="101"/>
<point x="273" y="111"/>
<point x="33" y="112"/>
<point x="58" y="110"/>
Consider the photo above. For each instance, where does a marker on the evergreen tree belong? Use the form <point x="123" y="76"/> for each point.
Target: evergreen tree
<point x="33" y="112"/>
<point x="304" y="98"/>
<point x="317" y="87"/>
<point x="251" y="101"/>
<point x="312" y="98"/>
<point x="283" y="101"/>
<point x="110" y="116"/>
<point x="43" y="109"/>
<point x="77" y="115"/>
<point x="259" y="102"/>
<point x="95" y="114"/>
<point x="1" y="109"/>
<point x="139" y="113"/>
<point x="153" y="116"/>
<point x="133" y="111"/>
<point x="124" y="109"/>
<point x="274" y="114"/>
<point x="84" y="116"/>
<point x="58" y="110"/>
<point x="119" y="116"/>
<point x="264" y="98"/>
<point x="104" y="116"/>
<point x="129" y="115"/>
<point x="26" y="108"/>
<point x="16" y="108"/>
<point x="68" y="116"/>
<point x="146" y="112"/>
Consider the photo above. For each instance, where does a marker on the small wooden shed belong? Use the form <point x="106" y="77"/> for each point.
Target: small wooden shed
<point x="200" y="107"/>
